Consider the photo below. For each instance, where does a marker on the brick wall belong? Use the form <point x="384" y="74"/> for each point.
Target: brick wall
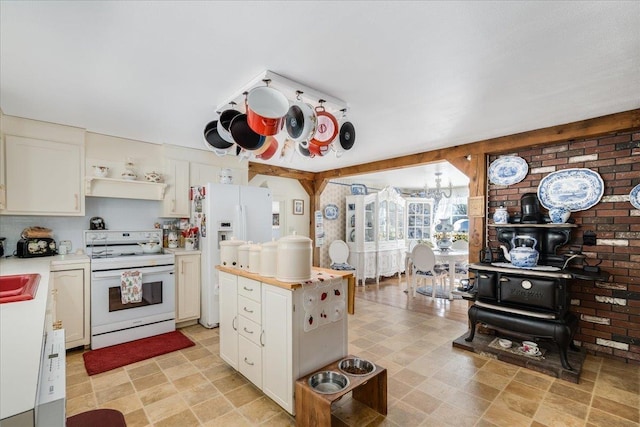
<point x="609" y="312"/>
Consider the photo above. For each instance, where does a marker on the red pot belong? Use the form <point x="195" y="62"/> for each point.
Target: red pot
<point x="266" y="108"/>
<point x="318" y="150"/>
<point x="270" y="148"/>
<point x="326" y="128"/>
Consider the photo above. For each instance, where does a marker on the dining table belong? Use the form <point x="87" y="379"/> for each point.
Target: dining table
<point x="449" y="257"/>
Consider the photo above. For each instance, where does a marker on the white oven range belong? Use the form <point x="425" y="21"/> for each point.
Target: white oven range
<point x="113" y="253"/>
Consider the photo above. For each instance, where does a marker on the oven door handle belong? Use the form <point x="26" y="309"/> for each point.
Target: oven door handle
<point x="144" y="270"/>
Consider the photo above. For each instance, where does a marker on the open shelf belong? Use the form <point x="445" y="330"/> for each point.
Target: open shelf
<point x="125" y="189"/>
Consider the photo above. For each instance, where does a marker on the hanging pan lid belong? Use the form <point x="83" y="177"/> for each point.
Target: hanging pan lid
<point x="347" y="135"/>
<point x="326" y="127"/>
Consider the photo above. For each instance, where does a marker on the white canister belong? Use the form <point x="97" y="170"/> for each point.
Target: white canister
<point x="243" y="256"/>
<point x="254" y="259"/>
<point x="229" y="252"/>
<point x="269" y="259"/>
<point x="226" y="176"/>
<point x="294" y="259"/>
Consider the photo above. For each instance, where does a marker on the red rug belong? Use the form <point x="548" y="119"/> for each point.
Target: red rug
<point x="108" y="358"/>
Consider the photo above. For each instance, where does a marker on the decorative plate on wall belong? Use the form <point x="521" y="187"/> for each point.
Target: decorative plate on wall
<point x="575" y="189"/>
<point x="358" y="189"/>
<point x="331" y="212"/>
<point x="508" y="170"/>
<point x="634" y="196"/>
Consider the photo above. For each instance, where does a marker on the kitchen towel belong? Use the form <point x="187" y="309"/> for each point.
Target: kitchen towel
<point x="324" y="300"/>
<point x="131" y="286"/>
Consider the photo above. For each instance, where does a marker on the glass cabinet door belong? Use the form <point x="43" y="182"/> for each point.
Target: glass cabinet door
<point x="393" y="223"/>
<point x="368" y="222"/>
<point x="400" y="228"/>
<point x="418" y="220"/>
<point x="382" y="222"/>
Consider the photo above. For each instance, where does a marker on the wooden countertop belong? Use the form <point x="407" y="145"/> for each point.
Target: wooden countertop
<point x="292" y="286"/>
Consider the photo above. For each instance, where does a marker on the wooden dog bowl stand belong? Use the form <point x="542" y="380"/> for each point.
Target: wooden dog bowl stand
<point x="313" y="409"/>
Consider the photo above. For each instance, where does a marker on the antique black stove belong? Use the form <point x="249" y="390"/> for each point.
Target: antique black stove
<point x="533" y="302"/>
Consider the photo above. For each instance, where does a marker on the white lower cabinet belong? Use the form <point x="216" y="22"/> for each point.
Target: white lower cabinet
<point x="229" y="319"/>
<point x="262" y="336"/>
<point x="71" y="284"/>
<point x="187" y="286"/>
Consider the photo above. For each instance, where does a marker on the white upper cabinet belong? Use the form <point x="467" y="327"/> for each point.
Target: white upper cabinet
<point x="176" y="199"/>
<point x="42" y="168"/>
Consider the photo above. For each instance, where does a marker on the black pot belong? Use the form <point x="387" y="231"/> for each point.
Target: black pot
<point x="213" y="138"/>
<point x="243" y="135"/>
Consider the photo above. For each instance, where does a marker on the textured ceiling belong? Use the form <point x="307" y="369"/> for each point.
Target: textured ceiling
<point x="416" y="76"/>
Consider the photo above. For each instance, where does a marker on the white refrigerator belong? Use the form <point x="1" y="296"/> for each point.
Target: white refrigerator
<point x="223" y="211"/>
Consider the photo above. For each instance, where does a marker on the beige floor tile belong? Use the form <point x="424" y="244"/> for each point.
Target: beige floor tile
<point x="617" y="395"/>
<point x="454" y="416"/>
<point x="136" y="419"/>
<point x="180" y="371"/>
<point x="280" y="420"/>
<point x="564" y="405"/>
<point x="501" y="415"/>
<point x="604" y="419"/>
<point x="80" y="404"/>
<point x="422" y="401"/>
<point x="125" y="404"/>
<point x="150" y="381"/>
<point x="243" y="395"/>
<point x="404" y="414"/>
<point x="212" y="409"/>
<point x="143" y="370"/>
<point x="616" y="408"/>
<point x="79" y="389"/>
<point x="184" y="418"/>
<point x="113" y="393"/>
<point x="163" y="408"/>
<point x="533" y="379"/>
<point x="230" y="382"/>
<point x="409" y="377"/>
<point x="109" y="379"/>
<point x="551" y="417"/>
<point x="151" y="395"/>
<point x="190" y="381"/>
<point x="562" y="389"/>
<point x="176" y="358"/>
<point x="517" y="403"/>
<point x="199" y="393"/>
<point x="230" y="419"/>
<point x="260" y="410"/>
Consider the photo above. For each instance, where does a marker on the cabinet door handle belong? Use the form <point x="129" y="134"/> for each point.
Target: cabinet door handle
<point x="261" y="335"/>
<point x="247" y="331"/>
<point x="233" y="323"/>
<point x="484" y="276"/>
<point x="504" y="279"/>
<point x="76" y="197"/>
<point x="248" y="289"/>
<point x="248" y="363"/>
<point x="247" y="310"/>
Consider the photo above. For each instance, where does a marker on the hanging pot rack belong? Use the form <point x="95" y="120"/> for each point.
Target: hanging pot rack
<point x="292" y="91"/>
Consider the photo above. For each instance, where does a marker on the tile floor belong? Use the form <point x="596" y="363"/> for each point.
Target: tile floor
<point x="430" y="383"/>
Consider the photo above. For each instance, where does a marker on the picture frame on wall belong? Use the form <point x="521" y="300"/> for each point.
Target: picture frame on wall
<point x="298" y="207"/>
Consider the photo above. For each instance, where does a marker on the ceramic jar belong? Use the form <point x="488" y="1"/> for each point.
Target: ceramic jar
<point x="229" y="252"/>
<point x="294" y="259"/>
<point x="243" y="256"/>
<point x="559" y="215"/>
<point x="254" y="259"/>
<point x="269" y="259"/>
<point x="501" y="216"/>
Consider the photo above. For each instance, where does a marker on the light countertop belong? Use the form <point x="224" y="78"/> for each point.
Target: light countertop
<point x="22" y="327"/>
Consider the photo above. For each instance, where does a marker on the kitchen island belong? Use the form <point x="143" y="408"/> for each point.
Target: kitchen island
<point x="22" y="330"/>
<point x="274" y="332"/>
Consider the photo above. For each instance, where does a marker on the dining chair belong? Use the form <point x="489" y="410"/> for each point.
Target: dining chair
<point x="424" y="267"/>
<point x="462" y="268"/>
<point x="339" y="254"/>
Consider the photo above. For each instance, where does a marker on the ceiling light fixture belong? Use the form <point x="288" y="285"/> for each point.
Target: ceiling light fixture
<point x="437" y="193"/>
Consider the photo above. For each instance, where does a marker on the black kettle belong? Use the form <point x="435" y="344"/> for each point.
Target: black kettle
<point x="97" y="223"/>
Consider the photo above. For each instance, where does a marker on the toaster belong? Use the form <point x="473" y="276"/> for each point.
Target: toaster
<point x="36" y="246"/>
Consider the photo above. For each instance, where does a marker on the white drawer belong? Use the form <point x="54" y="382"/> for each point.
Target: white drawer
<point x="250" y="330"/>
<point x="249" y="288"/>
<point x="249" y="309"/>
<point x="250" y="361"/>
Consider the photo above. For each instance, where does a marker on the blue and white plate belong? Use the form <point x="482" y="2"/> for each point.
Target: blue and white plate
<point x="508" y="170"/>
<point x="331" y="212"/>
<point x="575" y="189"/>
<point x="634" y="196"/>
<point x="357" y="189"/>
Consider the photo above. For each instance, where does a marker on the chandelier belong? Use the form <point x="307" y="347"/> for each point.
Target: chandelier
<point x="437" y="193"/>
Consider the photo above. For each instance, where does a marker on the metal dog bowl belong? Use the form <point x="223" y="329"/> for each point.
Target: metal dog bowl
<point x="328" y="382"/>
<point x="356" y="367"/>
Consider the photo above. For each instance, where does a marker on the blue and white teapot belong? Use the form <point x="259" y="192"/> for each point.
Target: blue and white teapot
<point x="522" y="256"/>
